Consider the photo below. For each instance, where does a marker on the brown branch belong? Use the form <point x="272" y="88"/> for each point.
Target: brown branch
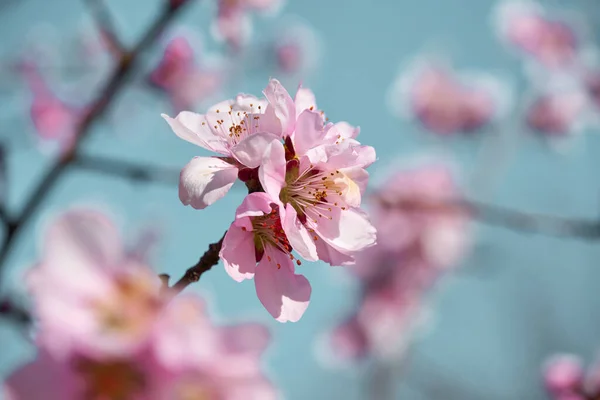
<point x="115" y="83"/>
<point x="106" y="26"/>
<point x="205" y="263"/>
<point x="127" y="169"/>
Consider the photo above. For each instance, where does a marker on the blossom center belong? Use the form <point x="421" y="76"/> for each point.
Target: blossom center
<point x="236" y="124"/>
<point x="268" y="231"/>
<point x="115" y="380"/>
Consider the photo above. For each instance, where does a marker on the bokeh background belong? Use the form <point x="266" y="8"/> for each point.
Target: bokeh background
<point x="516" y="299"/>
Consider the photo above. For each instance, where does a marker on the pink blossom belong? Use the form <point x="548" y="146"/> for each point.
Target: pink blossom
<point x="557" y="113"/>
<point x="295" y="49"/>
<point x="186" y="81"/>
<point x="225" y="129"/>
<point x="563" y="373"/>
<point x="420" y="235"/>
<point x="106" y="332"/>
<point x="319" y="176"/>
<point x="528" y="27"/>
<point x="233" y="24"/>
<point x="256" y="246"/>
<point x="53" y="119"/>
<point x="187" y="358"/>
<point x="447" y="103"/>
<point x="87" y="293"/>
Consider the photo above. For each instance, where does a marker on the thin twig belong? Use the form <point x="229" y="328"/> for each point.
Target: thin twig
<point x="205" y="263"/>
<point x="127" y="169"/>
<point x="115" y="83"/>
<point x="106" y="26"/>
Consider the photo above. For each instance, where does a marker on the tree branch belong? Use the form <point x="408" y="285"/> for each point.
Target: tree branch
<point x="106" y="26"/>
<point x="115" y="83"/>
<point x="127" y="170"/>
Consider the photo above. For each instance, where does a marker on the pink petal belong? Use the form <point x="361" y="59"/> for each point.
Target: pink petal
<point x="308" y="132"/>
<point x="284" y="294"/>
<point x="272" y="170"/>
<point x="205" y="180"/>
<point x="254" y="205"/>
<point x="283" y="105"/>
<point x="305" y="99"/>
<point x="331" y="255"/>
<point x="300" y="239"/>
<point x="82" y="238"/>
<point x="348" y="230"/>
<point x="195" y="129"/>
<point x="237" y="253"/>
<point x="251" y="150"/>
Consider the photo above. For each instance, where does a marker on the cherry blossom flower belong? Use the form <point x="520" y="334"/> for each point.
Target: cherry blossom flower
<point x="87" y="293"/>
<point x="420" y="235"/>
<point x="233" y="24"/>
<point x="566" y="378"/>
<point x="552" y="42"/>
<point x="53" y="119"/>
<point x="186" y="81"/>
<point x="444" y="102"/>
<point x="557" y="113"/>
<point x="106" y="332"/>
<point x="295" y="49"/>
<point x="256" y="246"/>
<point x="319" y="175"/>
<point x="225" y="129"/>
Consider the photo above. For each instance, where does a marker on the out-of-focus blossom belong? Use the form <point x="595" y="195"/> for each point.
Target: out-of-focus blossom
<point x="557" y="113"/>
<point x="444" y="102"/>
<point x="552" y="42"/>
<point x="566" y="378"/>
<point x="421" y="232"/>
<point x="256" y="237"/>
<point x="185" y="80"/>
<point x="233" y="23"/>
<point x="53" y="119"/>
<point x="294" y="50"/>
<point x="106" y="332"/>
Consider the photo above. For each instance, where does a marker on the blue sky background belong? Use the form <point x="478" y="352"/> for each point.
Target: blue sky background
<point x="515" y="300"/>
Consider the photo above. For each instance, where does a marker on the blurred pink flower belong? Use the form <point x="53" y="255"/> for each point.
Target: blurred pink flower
<point x="444" y="102"/>
<point x="420" y="234"/>
<point x="563" y="373"/>
<point x="256" y="236"/>
<point x="233" y="24"/>
<point x="557" y="113"/>
<point x="528" y="27"/>
<point x="106" y="332"/>
<point x="53" y="119"/>
<point x="295" y="49"/>
<point x="186" y="81"/>
<point x="87" y="293"/>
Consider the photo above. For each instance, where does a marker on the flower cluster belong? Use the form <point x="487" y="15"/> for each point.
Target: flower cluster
<point x="420" y="235"/>
<point x="307" y="177"/>
<point x="566" y="379"/>
<point x="106" y="331"/>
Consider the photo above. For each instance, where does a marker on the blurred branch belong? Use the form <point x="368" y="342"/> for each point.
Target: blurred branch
<point x="205" y="263"/>
<point x="127" y="169"/>
<point x="518" y="221"/>
<point x="121" y="73"/>
<point x="106" y="26"/>
<point x="14" y="312"/>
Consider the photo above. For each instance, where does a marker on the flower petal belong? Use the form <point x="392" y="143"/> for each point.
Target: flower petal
<point x="305" y="99"/>
<point x="272" y="171"/>
<point x="237" y="253"/>
<point x="283" y="105"/>
<point x="300" y="239"/>
<point x="195" y="129"/>
<point x="284" y="294"/>
<point x="348" y="230"/>
<point x="308" y="132"/>
<point x="251" y="150"/>
<point x="254" y="205"/>
<point x="205" y="180"/>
